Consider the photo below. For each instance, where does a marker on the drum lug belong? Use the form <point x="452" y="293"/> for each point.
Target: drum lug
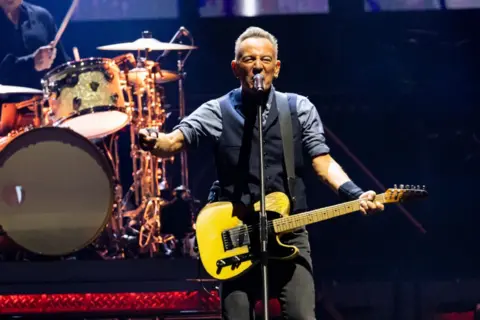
<point x="77" y="103"/>
<point x="94" y="86"/>
<point x="108" y="75"/>
<point x="114" y="98"/>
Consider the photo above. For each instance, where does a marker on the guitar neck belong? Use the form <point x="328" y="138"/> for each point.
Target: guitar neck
<point x="314" y="216"/>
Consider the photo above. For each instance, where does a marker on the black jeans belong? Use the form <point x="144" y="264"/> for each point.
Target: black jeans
<point x="289" y="281"/>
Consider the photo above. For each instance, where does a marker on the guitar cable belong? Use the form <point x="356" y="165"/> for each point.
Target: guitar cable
<point x="199" y="271"/>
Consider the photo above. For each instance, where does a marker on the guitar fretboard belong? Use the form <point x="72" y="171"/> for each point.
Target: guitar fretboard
<point x="310" y="217"/>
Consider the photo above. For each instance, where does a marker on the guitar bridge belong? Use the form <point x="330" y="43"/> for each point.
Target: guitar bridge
<point x="234" y="261"/>
<point x="235" y="238"/>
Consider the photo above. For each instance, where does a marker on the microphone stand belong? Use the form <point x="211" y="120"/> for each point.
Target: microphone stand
<point x="263" y="226"/>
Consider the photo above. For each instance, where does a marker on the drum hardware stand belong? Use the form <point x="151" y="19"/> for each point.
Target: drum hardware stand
<point x="181" y="104"/>
<point x="148" y="170"/>
<point x="182" y="31"/>
<point x="116" y="231"/>
<point x="150" y="230"/>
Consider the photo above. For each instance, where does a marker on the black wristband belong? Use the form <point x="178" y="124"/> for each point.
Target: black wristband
<point x="349" y="191"/>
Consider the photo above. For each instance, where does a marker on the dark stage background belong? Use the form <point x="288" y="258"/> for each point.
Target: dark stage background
<point x="399" y="88"/>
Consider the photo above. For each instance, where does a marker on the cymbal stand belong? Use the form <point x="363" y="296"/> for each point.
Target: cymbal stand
<point x="114" y="230"/>
<point x="182" y="31"/>
<point x="116" y="220"/>
<point x="181" y="105"/>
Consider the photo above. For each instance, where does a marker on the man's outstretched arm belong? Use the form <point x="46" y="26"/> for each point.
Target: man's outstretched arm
<point x="161" y="144"/>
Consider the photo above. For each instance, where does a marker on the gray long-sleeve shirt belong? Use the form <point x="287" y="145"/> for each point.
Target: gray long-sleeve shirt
<point x="204" y="125"/>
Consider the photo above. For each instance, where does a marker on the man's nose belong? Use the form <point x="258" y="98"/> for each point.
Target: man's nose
<point x="257" y="67"/>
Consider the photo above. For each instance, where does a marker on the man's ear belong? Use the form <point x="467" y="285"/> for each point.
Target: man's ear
<point x="234" y="66"/>
<point x="278" y="64"/>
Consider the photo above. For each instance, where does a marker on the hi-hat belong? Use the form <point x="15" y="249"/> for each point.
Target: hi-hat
<point x="165" y="76"/>
<point x="137" y="76"/>
<point x="18" y="90"/>
<point x="146" y="44"/>
<point x="161" y="75"/>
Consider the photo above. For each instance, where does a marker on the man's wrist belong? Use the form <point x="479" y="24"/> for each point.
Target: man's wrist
<point x="349" y="191"/>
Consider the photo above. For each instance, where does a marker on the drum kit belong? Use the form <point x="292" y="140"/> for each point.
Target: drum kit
<point x="61" y="193"/>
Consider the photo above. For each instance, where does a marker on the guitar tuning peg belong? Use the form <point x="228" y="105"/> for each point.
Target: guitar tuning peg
<point x="423" y="187"/>
<point x="407" y="186"/>
<point x="395" y="186"/>
<point x="401" y="186"/>
<point x="418" y="186"/>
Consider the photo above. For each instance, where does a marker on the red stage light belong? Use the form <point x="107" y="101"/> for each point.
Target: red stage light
<point x="110" y="302"/>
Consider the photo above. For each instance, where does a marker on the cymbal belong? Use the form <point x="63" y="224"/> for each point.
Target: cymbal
<point x="18" y="90"/>
<point x="165" y="76"/>
<point x="137" y="76"/>
<point x="146" y="44"/>
<point x="161" y="75"/>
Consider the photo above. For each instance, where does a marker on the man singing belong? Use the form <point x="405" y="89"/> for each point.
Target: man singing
<point x="228" y="126"/>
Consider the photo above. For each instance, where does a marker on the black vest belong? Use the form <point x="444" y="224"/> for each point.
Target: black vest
<point x="237" y="151"/>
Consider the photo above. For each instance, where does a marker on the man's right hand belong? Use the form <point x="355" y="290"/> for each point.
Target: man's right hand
<point x="147" y="138"/>
<point x="160" y="144"/>
<point x="44" y="57"/>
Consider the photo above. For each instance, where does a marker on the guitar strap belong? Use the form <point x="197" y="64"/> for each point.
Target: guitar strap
<point x="284" y="107"/>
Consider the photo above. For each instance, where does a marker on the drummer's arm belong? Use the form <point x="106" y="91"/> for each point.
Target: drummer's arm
<point x="15" y="67"/>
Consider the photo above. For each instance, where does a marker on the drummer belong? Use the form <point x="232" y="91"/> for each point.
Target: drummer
<point x="25" y="54"/>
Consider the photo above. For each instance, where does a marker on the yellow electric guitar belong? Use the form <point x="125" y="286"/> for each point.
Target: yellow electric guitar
<point x="227" y="234"/>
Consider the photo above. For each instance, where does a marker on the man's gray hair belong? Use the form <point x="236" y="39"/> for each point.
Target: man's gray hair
<point x="255" y="32"/>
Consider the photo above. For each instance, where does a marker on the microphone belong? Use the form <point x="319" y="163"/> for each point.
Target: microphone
<point x="184" y="31"/>
<point x="258" y="82"/>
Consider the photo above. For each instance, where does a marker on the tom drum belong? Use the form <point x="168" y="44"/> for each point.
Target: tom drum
<point x="86" y="96"/>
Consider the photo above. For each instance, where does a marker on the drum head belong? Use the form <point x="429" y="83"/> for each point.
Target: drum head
<point x="56" y="191"/>
<point x="96" y="123"/>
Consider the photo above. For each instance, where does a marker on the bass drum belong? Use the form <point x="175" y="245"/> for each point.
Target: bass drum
<point x="56" y="190"/>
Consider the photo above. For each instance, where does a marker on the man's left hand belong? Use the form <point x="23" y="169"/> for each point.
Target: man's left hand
<point x="369" y="205"/>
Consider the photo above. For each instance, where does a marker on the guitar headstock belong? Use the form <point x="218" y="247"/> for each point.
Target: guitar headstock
<point x="404" y="193"/>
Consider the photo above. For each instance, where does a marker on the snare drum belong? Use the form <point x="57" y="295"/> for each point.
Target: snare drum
<point x="56" y="190"/>
<point x="86" y="96"/>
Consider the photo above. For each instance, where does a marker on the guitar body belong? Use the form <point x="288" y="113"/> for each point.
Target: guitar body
<point x="227" y="236"/>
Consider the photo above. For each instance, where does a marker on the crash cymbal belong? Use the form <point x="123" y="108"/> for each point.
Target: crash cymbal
<point x="7" y="90"/>
<point x="146" y="44"/>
